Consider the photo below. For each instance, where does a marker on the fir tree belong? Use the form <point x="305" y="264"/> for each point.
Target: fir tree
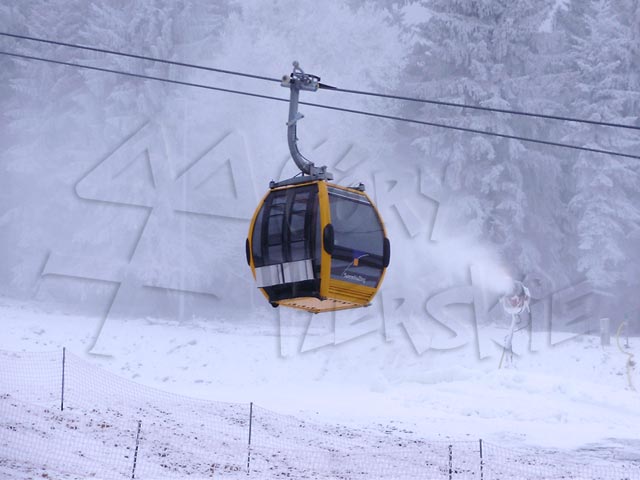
<point x="485" y="53"/>
<point x="606" y="201"/>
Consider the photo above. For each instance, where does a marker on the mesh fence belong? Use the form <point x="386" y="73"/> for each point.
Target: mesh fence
<point x="508" y="463"/>
<point x="33" y="377"/>
<point x="37" y="438"/>
<point x="90" y="423"/>
<point x="181" y="434"/>
<point x="437" y="461"/>
<point x="357" y="453"/>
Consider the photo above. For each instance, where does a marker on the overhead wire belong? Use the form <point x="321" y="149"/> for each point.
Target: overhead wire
<point x="142" y="76"/>
<point x="328" y="107"/>
<point x="488" y="109"/>
<point x="332" y="88"/>
<point x="139" y="57"/>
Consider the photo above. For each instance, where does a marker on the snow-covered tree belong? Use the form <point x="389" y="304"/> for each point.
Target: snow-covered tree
<point x="49" y="111"/>
<point x="485" y="53"/>
<point x="607" y="200"/>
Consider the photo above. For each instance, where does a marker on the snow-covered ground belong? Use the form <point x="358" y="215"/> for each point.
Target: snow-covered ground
<point x="571" y="398"/>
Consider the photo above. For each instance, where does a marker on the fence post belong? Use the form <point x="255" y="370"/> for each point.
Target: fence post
<point x="64" y="358"/>
<point x="450" y="462"/>
<point x="135" y="453"/>
<point x="249" y="445"/>
<point x="481" y="462"/>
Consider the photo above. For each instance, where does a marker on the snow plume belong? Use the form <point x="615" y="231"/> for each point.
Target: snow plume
<point x="464" y="255"/>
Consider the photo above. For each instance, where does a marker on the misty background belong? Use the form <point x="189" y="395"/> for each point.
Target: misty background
<point x="123" y="197"/>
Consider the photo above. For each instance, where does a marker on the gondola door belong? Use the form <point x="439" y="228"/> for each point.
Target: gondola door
<point x="285" y="244"/>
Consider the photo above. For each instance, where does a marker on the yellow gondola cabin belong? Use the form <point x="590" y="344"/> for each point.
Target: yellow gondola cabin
<point x="314" y="245"/>
<point x="318" y="247"/>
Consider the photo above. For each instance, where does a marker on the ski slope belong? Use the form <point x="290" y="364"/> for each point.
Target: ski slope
<point x="572" y="399"/>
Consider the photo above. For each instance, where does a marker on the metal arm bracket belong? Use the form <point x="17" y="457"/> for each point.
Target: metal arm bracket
<point x="297" y="81"/>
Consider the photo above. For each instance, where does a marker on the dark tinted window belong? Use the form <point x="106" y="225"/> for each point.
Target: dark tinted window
<point x="359" y="239"/>
<point x="285" y="228"/>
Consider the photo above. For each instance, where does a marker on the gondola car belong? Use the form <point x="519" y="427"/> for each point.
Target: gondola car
<point x="312" y="244"/>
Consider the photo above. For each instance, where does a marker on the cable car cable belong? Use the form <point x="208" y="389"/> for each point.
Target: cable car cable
<point x="328" y="107"/>
<point x="473" y="130"/>
<point x="142" y="76"/>
<point x="486" y="109"/>
<point x="140" y="57"/>
<point x="327" y="87"/>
